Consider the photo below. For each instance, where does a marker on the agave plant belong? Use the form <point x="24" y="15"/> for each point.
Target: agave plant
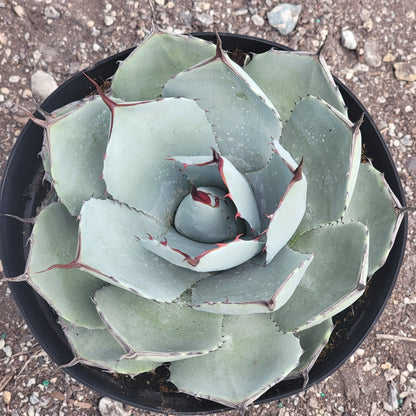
<point x="208" y="215"/>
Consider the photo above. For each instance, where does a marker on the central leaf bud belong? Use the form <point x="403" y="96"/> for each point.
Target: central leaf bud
<point x="208" y="216"/>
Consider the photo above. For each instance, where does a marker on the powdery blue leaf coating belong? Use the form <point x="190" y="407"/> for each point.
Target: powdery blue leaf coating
<point x="374" y="204"/>
<point x="157" y="331"/>
<point x="76" y="141"/>
<point x="99" y="348"/>
<point x="306" y="74"/>
<point x="110" y="249"/>
<point x="330" y="146"/>
<point x="141" y="76"/>
<point x="252" y="288"/>
<point x="244" y="121"/>
<point x="335" y="279"/>
<point x="202" y="257"/>
<point x="54" y="240"/>
<point x="254" y="357"/>
<point x="137" y="169"/>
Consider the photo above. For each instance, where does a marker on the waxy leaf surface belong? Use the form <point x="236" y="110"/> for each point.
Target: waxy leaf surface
<point x="141" y="76"/>
<point x="99" y="348"/>
<point x="54" y="241"/>
<point x="77" y="144"/>
<point x="254" y="357"/>
<point x="335" y="278"/>
<point x="109" y="233"/>
<point x="374" y="204"/>
<point x="243" y="122"/>
<point x="331" y="149"/>
<point x="252" y="288"/>
<point x="157" y="331"/>
<point x="306" y="74"/>
<point x="136" y="167"/>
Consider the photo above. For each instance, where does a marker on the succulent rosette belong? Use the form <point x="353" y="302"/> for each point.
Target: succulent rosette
<point x="208" y="215"/>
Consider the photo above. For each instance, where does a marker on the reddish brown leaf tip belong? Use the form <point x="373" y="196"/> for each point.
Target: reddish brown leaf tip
<point x="297" y="173"/>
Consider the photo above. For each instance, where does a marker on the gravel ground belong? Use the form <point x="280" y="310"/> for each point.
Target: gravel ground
<point x="61" y="37"/>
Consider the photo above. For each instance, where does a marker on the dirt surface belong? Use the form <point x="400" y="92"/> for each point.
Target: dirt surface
<point x="62" y="37"/>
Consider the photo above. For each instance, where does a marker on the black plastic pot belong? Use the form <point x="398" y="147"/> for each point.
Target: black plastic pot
<point x="22" y="190"/>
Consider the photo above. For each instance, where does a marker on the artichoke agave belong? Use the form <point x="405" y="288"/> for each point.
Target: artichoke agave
<point x="210" y="216"/>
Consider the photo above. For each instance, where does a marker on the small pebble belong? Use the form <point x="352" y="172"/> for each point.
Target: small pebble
<point x="409" y="366"/>
<point x="313" y="402"/>
<point x="27" y="93"/>
<point x="109" y="407"/>
<point x="109" y="20"/>
<point x="406" y="140"/>
<point x="205" y="19"/>
<point x="241" y="12"/>
<point x="19" y="10"/>
<point x="391" y="374"/>
<point x="387" y="407"/>
<point x="405" y="71"/>
<point x="42" y="84"/>
<point x="360" y="352"/>
<point x="361" y="68"/>
<point x="31" y="382"/>
<point x="371" y="53"/>
<point x="284" y="17"/>
<point x="7" y="397"/>
<point x="385" y="366"/>
<point x="367" y="367"/>
<point x="52" y="13"/>
<point x="257" y="20"/>
<point x="7" y="350"/>
<point x="388" y="58"/>
<point x="34" y="399"/>
<point x="368" y="25"/>
<point x="348" y="40"/>
<point x="14" y="79"/>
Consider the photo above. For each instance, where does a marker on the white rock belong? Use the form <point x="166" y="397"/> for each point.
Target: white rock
<point x="205" y="18"/>
<point x="108" y="407"/>
<point x="371" y="53"/>
<point x="348" y="40"/>
<point x="391" y="374"/>
<point x="387" y="407"/>
<point x="37" y="55"/>
<point x="7" y="350"/>
<point x="31" y="382"/>
<point x="257" y="20"/>
<point x="109" y="20"/>
<point x="14" y="79"/>
<point x="284" y="17"/>
<point x="43" y="84"/>
<point x="361" y="67"/>
<point x="52" y="13"/>
<point x="19" y="10"/>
